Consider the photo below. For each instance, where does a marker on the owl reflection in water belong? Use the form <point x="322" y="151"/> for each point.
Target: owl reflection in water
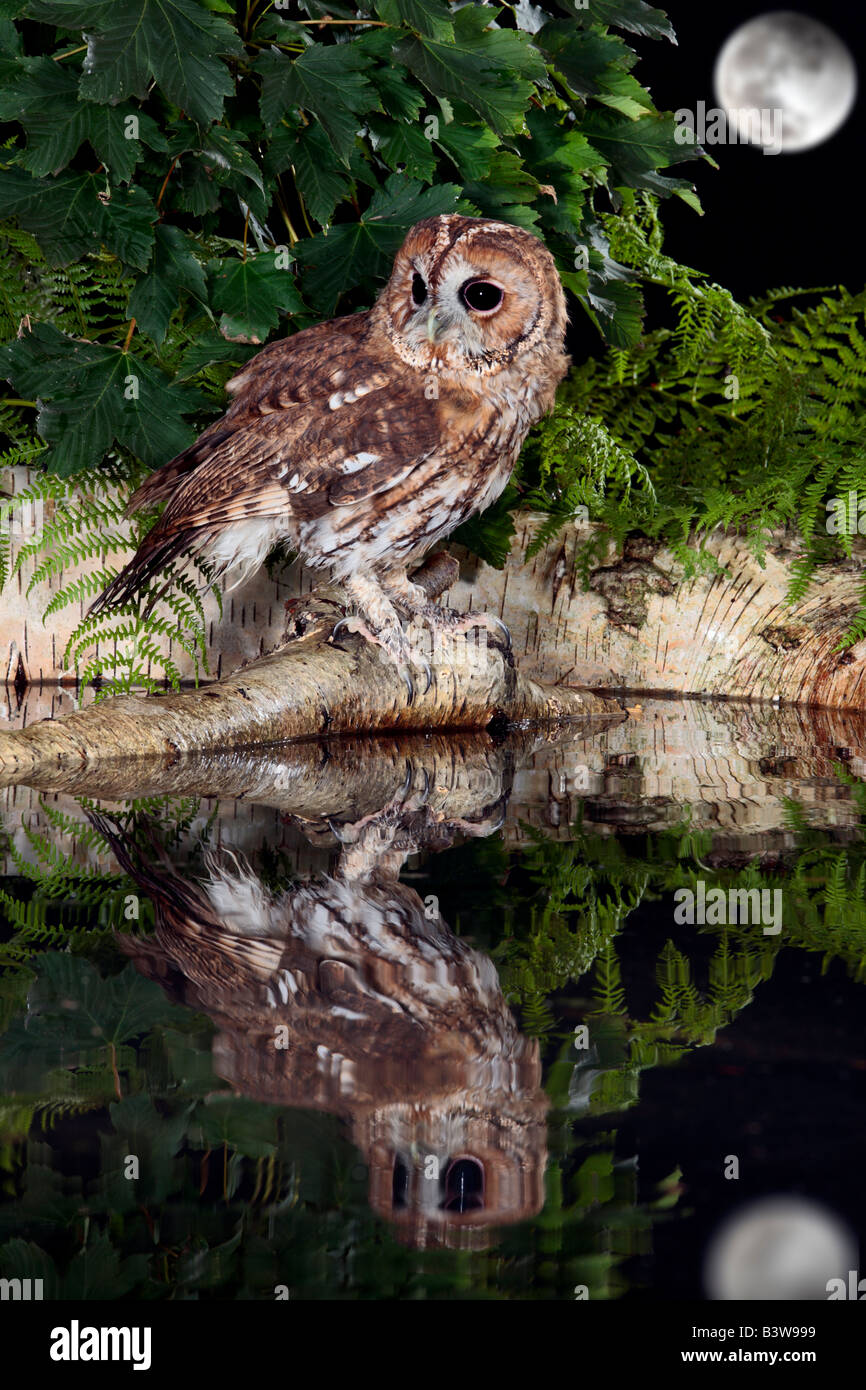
<point x="346" y="993"/>
<point x="363" y="441"/>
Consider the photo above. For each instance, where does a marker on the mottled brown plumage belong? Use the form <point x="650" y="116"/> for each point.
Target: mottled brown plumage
<point x="346" y="993"/>
<point x="363" y="441"/>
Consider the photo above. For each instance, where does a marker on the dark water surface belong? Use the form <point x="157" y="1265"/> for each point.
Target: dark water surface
<point x="427" y="1017"/>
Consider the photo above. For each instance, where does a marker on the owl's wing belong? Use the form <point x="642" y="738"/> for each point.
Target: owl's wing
<point x="306" y="457"/>
<point x="308" y="366"/>
<point x="313" y="427"/>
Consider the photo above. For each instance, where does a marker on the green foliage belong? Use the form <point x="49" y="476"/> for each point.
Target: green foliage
<point x="587" y="881"/>
<point x="236" y="1196"/>
<point x="122" y="648"/>
<point x="233" y="1197"/>
<point x="568" y="906"/>
<point x="177" y="43"/>
<point x="59" y="900"/>
<point x="736" y="418"/>
<point x="96" y="398"/>
<point x="110" y="1011"/>
<point x="181" y="178"/>
<point x="598" y="475"/>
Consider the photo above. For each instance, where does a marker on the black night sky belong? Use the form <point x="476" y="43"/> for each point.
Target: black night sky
<point x="790" y="219"/>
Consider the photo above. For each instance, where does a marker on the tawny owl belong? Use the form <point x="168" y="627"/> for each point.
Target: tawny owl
<point x="363" y="441"/>
<point x="347" y="993"/>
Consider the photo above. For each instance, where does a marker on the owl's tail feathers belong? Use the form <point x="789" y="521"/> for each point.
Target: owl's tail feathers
<point x="141" y="853"/>
<point x="150" y="560"/>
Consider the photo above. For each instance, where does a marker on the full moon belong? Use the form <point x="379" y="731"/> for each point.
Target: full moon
<point x="789" y="64"/>
<point x="779" y="1247"/>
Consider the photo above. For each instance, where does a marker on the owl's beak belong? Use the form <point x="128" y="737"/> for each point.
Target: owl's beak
<point x="432" y="325"/>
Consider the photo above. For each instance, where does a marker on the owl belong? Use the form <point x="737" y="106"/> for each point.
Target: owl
<point x="346" y="993"/>
<point x="363" y="441"/>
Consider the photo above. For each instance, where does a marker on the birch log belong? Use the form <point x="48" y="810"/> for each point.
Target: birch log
<point x="732" y="768"/>
<point x="311" y="686"/>
<point x="640" y="625"/>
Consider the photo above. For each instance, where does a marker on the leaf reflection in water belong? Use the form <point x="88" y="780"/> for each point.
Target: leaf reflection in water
<point x="325" y="907"/>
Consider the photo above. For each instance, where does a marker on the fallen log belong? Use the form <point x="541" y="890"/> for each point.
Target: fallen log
<point x="732" y="769"/>
<point x="640" y="623"/>
<point x="309" y="687"/>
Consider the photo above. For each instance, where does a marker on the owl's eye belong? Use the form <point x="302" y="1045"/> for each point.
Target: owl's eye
<point x="419" y="289"/>
<point x="482" y="296"/>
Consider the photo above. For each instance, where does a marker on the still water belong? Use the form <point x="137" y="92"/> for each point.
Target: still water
<point x="553" y="1017"/>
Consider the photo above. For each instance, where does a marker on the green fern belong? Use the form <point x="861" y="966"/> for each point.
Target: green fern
<point x="608" y="993"/>
<point x="122" y="648"/>
<point x="61" y="903"/>
<point x="739" y="418"/>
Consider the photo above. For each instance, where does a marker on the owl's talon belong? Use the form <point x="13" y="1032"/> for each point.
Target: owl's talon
<point x="408" y="782"/>
<point x="395" y="648"/>
<point x="344" y="622"/>
<point x="488" y="621"/>
<point x="450" y="624"/>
